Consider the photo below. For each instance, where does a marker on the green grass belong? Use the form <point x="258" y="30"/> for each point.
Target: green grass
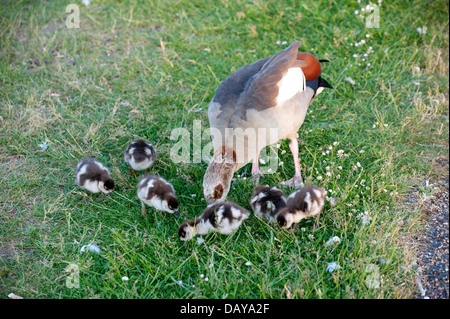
<point x="65" y="87"/>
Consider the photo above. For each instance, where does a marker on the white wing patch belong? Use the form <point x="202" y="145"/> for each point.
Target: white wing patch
<point x="291" y="83"/>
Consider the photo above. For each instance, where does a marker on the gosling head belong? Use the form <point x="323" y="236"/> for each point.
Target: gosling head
<point x="217" y="179"/>
<point x="106" y="186"/>
<point x="285" y="218"/>
<point x="187" y="230"/>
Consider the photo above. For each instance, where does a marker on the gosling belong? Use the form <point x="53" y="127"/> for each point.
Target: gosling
<point x="267" y="201"/>
<point x="93" y="176"/>
<point x="140" y="156"/>
<point x="304" y="203"/>
<point x="221" y="217"/>
<point x="155" y="191"/>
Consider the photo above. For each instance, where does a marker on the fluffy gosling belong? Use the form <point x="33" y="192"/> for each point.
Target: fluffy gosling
<point x="267" y="201"/>
<point x="306" y="202"/>
<point x="140" y="156"/>
<point x="93" y="176"/>
<point x="155" y="191"/>
<point x="221" y="217"/>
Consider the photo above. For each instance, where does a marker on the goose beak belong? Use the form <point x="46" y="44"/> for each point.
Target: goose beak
<point x="176" y="214"/>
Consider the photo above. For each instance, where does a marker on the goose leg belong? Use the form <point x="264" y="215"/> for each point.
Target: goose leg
<point x="297" y="180"/>
<point x="143" y="210"/>
<point x="256" y="173"/>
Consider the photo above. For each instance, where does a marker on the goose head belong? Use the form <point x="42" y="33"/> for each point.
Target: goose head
<point x="217" y="179"/>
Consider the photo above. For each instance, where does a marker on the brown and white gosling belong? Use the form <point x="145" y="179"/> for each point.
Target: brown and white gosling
<point x="155" y="191"/>
<point x="93" y="176"/>
<point x="267" y="201"/>
<point x="140" y="155"/>
<point x="221" y="217"/>
<point x="306" y="202"/>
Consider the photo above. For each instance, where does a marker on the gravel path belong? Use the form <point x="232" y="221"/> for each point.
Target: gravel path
<point x="433" y="259"/>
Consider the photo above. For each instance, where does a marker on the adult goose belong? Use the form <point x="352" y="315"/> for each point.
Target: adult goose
<point x="256" y="106"/>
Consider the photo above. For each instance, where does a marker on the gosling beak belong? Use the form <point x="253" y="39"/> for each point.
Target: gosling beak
<point x="176" y="214"/>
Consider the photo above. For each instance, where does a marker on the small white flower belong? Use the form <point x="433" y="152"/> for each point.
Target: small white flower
<point x="180" y="282"/>
<point x="283" y="152"/>
<point x="415" y="83"/>
<point x="202" y="275"/>
<point x="206" y="278"/>
<point x="332" y="266"/>
<point x="280" y="164"/>
<point x="365" y="218"/>
<point x="319" y="178"/>
<point x="361" y="151"/>
<point x="358" y="164"/>
<point x="340" y="153"/>
<point x="125" y="278"/>
<point x="333" y="240"/>
<point x="43" y="146"/>
<point x="262" y="161"/>
<point x="311" y="236"/>
<point x="207" y="49"/>
<point x="248" y="263"/>
<point x="328" y="174"/>
<point x="336" y="143"/>
<point x="339" y="167"/>
<point x="331" y="200"/>
<point x="193" y="195"/>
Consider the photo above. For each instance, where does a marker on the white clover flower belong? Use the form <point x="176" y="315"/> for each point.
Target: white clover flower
<point x="248" y="263"/>
<point x="206" y="279"/>
<point x="311" y="236"/>
<point x="364" y="217"/>
<point x="338" y="176"/>
<point x="180" y="282"/>
<point x="280" y="164"/>
<point x="358" y="164"/>
<point x="202" y="275"/>
<point x="336" y="143"/>
<point x="333" y="240"/>
<point x="361" y="151"/>
<point x="328" y="174"/>
<point x="331" y="200"/>
<point x="332" y="266"/>
<point x="283" y="152"/>
<point x="125" y="278"/>
<point x="340" y="153"/>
